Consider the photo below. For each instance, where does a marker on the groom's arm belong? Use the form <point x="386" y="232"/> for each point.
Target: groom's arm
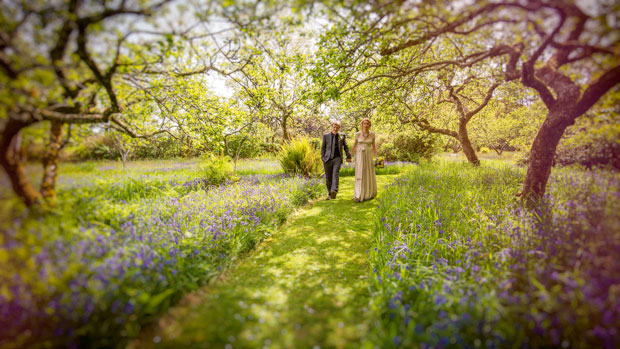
<point x="323" y="145"/>
<point x="346" y="148"/>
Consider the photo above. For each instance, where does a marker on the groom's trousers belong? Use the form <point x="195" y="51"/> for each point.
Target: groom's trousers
<point x="332" y="173"/>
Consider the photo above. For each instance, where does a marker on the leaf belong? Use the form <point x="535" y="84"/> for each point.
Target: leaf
<point x="155" y="301"/>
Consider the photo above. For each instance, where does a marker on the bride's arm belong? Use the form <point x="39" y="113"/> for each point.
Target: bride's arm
<point x="354" y="145"/>
<point x="374" y="147"/>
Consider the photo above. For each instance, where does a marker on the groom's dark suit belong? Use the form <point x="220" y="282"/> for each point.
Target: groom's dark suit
<point x="331" y="153"/>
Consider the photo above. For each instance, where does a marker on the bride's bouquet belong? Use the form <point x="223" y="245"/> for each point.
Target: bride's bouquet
<point x="379" y="162"/>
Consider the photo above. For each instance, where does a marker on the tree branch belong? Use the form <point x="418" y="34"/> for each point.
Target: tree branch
<point x="449" y="27"/>
<point x="528" y="67"/>
<point x="126" y="129"/>
<point x="92" y="65"/>
<point x="469" y="115"/>
<point x="597" y="89"/>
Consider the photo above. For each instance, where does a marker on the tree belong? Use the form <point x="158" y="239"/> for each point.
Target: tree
<point x="569" y="66"/>
<point x="123" y="145"/>
<point x="509" y="122"/>
<point x="51" y="72"/>
<point x="243" y="130"/>
<point x="468" y="99"/>
<point x="274" y="83"/>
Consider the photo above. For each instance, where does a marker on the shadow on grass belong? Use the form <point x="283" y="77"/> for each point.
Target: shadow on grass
<point x="304" y="286"/>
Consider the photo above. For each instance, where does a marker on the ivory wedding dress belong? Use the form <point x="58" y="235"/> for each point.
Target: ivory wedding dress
<point x="365" y="179"/>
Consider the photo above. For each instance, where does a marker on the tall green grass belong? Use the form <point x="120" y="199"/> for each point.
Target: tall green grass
<point x="458" y="263"/>
<point x="121" y="246"/>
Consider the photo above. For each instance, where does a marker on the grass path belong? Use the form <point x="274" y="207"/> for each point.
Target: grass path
<point x="305" y="286"/>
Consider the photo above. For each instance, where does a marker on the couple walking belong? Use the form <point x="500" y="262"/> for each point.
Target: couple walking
<point x="364" y="149"/>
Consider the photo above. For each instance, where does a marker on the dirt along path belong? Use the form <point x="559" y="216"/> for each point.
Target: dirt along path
<point x="303" y="287"/>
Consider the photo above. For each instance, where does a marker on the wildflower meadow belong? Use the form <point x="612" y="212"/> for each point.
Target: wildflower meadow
<point x="458" y="262"/>
<point x="125" y="246"/>
<point x="454" y="258"/>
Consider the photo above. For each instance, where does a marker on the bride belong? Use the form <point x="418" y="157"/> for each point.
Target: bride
<point x="364" y="150"/>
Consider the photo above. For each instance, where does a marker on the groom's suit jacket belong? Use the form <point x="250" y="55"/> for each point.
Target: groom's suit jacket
<point x="326" y="147"/>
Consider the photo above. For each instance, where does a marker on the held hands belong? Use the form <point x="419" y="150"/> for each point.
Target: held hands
<point x="348" y="159"/>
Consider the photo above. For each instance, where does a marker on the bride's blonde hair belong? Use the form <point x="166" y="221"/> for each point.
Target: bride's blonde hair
<point x="362" y="124"/>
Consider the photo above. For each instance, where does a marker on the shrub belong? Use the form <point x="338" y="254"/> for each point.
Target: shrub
<point x="269" y="148"/>
<point x="591" y="147"/>
<point x="161" y="147"/>
<point x="316" y="143"/>
<point x="247" y="148"/>
<point x="410" y="147"/>
<point x="97" y="147"/>
<point x="299" y="157"/>
<point x="522" y="158"/>
<point x="217" y="169"/>
<point x="485" y="150"/>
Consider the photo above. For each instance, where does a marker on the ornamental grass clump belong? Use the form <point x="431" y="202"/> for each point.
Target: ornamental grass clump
<point x="299" y="157"/>
<point x="457" y="261"/>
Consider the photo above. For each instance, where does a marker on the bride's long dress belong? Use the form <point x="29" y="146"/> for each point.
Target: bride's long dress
<point x="365" y="179"/>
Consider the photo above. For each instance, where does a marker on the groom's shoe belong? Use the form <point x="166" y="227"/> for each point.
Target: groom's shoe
<point x="333" y="194"/>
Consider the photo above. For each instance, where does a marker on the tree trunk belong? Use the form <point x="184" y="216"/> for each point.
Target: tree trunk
<point x="541" y="156"/>
<point x="469" y="151"/>
<point x="226" y="149"/>
<point x="14" y="168"/>
<point x="50" y="163"/>
<point x="239" y="150"/>
<point x="285" y="134"/>
<point x="124" y="152"/>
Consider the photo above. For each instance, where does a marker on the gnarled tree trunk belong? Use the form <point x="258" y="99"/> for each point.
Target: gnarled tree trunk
<point x="570" y="105"/>
<point x="11" y="162"/>
<point x="285" y="135"/>
<point x="469" y="151"/>
<point x="542" y="153"/>
<point x="50" y="163"/>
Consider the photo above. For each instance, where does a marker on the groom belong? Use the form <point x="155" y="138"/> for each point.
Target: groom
<point x="331" y="154"/>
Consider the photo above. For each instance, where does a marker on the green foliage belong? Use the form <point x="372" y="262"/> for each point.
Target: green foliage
<point x="244" y="148"/>
<point x="316" y="143"/>
<point x="164" y="148"/>
<point x="591" y="143"/>
<point x="217" y="169"/>
<point x="506" y="124"/>
<point x="348" y="170"/>
<point x="299" y="157"/>
<point x="86" y="167"/>
<point x="96" y="147"/>
<point x="410" y="147"/>
<point x="522" y="158"/>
